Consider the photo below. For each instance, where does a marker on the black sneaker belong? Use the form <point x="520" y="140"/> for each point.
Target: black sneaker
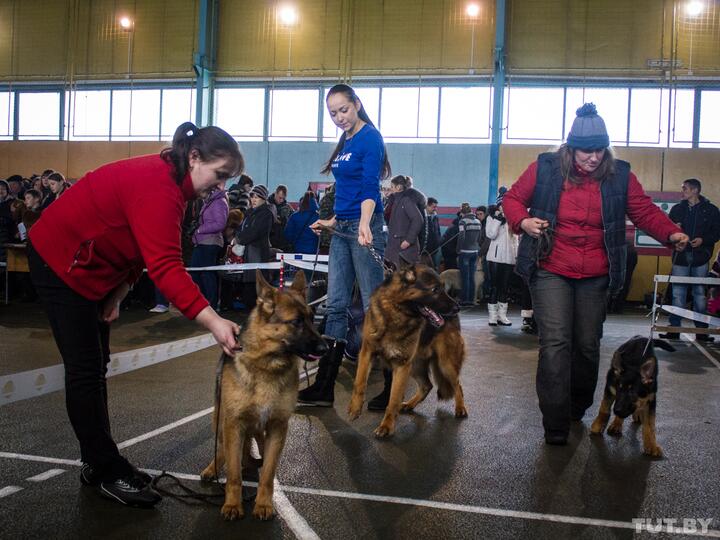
<point x="130" y="491"/>
<point x="91" y="477"/>
<point x="705" y="338"/>
<point x="670" y="335"/>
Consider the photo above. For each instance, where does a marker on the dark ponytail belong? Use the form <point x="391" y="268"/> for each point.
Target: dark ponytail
<point x="386" y="170"/>
<point x="209" y="142"/>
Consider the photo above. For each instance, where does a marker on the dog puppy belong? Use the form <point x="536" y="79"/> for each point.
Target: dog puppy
<point x="411" y="326"/>
<point x="453" y="285"/>
<point x="631" y="389"/>
<point x="259" y="390"/>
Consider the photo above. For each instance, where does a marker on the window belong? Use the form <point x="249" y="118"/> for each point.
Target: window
<point x="709" y="115"/>
<point x="465" y="114"/>
<point x="136" y="115"/>
<point x="89" y="115"/>
<point x="241" y="112"/>
<point x="648" y="117"/>
<point x="39" y="115"/>
<point x="409" y="114"/>
<point x="612" y="106"/>
<point x="534" y="115"/>
<point x="7" y="105"/>
<point x="293" y="115"/>
<point x="178" y="106"/>
<point x="370" y="98"/>
<point x="681" y="118"/>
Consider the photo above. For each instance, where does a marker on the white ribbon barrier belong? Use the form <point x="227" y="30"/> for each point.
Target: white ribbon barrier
<point x="299" y="260"/>
<point x="36" y="382"/>
<point x="692" y="315"/>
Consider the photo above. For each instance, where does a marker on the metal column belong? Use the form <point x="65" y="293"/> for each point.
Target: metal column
<point x="204" y="62"/>
<point x="498" y="100"/>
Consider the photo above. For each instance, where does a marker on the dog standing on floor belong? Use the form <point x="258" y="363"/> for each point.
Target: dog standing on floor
<point x="259" y="389"/>
<point x="411" y="326"/>
<point x="453" y="285"/>
<point x="631" y="388"/>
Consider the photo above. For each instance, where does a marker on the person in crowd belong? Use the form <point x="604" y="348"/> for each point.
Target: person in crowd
<point x="37" y="185"/>
<point x="7" y="225"/>
<point x="282" y="210"/>
<point x="15" y="185"/>
<point x="469" y="229"/>
<point x="115" y="220"/>
<point x="359" y="162"/>
<point x="449" y="244"/>
<point x="239" y="193"/>
<point x="481" y="212"/>
<point x="230" y="289"/>
<point x="700" y="220"/>
<point x="57" y="186"/>
<point x="326" y="211"/>
<point x="299" y="235"/>
<point x="577" y="197"/>
<point x="407" y="222"/>
<point x="208" y="241"/>
<point x="433" y="233"/>
<point x="501" y="256"/>
<point x="254" y="234"/>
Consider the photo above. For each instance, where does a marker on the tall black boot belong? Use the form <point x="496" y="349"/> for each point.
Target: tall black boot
<point x="322" y="392"/>
<point x="379" y="402"/>
<point x="321" y="374"/>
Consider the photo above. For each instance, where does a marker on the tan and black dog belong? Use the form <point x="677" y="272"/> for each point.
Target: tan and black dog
<point x="631" y="388"/>
<point x="411" y="326"/>
<point x="259" y="391"/>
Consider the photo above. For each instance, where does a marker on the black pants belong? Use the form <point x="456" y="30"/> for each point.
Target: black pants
<point x="500" y="273"/>
<point x="84" y="344"/>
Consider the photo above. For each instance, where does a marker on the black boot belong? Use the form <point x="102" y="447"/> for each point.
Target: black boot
<point x="379" y="402"/>
<point x="322" y="392"/>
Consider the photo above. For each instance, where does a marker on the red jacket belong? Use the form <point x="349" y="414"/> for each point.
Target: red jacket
<point x="579" y="245"/>
<point x="114" y="221"/>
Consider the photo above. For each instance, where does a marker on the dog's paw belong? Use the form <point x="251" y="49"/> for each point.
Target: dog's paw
<point x="383" y="431"/>
<point x="615" y="429"/>
<point x="461" y="412"/>
<point x="355" y="407"/>
<point x="232" y="511"/>
<point x="406" y="407"/>
<point x="653" y="451"/>
<point x="263" y="511"/>
<point x="636" y="418"/>
<point x="208" y="475"/>
<point x="597" y="427"/>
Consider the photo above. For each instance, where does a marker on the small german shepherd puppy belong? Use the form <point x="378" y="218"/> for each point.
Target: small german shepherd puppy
<point x="411" y="326"/>
<point x="631" y="388"/>
<point x="259" y="390"/>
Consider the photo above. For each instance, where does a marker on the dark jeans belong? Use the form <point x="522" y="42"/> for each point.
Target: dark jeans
<point x="570" y="315"/>
<point x="207" y="281"/>
<point x="500" y="273"/>
<point x="468" y="265"/>
<point x="83" y="340"/>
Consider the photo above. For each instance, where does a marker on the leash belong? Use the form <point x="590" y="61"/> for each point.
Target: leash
<point x="374" y="254"/>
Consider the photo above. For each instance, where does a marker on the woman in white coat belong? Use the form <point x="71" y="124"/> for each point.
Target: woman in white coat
<point x="501" y="259"/>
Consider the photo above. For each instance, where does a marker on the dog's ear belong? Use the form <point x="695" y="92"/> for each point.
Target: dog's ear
<point x="265" y="293"/>
<point x="648" y="370"/>
<point x="407" y="271"/>
<point x="299" y="283"/>
<point x="617" y="361"/>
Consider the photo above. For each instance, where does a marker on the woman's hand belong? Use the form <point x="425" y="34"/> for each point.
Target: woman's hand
<point x="111" y="304"/>
<point x="365" y="237"/>
<point x="534" y="226"/>
<point x="404" y="244"/>
<point x="320" y="224"/>
<point x="680" y="240"/>
<point x="224" y="331"/>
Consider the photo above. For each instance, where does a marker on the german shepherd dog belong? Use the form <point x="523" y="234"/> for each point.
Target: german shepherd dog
<point x="631" y="388"/>
<point x="411" y="326"/>
<point x="259" y="389"/>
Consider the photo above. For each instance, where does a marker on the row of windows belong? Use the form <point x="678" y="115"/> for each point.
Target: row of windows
<point x="440" y="114"/>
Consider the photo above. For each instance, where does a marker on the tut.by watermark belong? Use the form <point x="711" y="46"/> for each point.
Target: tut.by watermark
<point x="672" y="525"/>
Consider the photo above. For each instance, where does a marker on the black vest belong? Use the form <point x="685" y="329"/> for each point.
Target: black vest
<point x="613" y="192"/>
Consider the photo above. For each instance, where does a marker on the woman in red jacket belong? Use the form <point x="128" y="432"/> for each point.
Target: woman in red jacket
<point x="86" y="251"/>
<point x="571" y="205"/>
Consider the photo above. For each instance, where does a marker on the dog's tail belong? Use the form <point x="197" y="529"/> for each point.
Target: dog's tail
<point x="663" y="345"/>
<point x="445" y="388"/>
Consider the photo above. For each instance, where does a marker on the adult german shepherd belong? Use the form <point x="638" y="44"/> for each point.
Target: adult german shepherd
<point x="259" y="390"/>
<point x="631" y="388"/>
<point x="412" y="326"/>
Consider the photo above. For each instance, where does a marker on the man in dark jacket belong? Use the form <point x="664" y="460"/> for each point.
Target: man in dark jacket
<point x="433" y="231"/>
<point x="282" y="211"/>
<point x="407" y="222"/>
<point x="700" y="220"/>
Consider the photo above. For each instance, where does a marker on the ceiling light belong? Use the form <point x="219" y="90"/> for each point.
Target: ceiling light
<point x="126" y="23"/>
<point x="694" y="8"/>
<point x="472" y="10"/>
<point x="288" y="15"/>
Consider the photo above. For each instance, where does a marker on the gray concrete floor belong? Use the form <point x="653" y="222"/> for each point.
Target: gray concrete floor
<point x="487" y="476"/>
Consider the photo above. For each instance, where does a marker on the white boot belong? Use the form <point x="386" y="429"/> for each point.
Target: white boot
<point x="502" y="314"/>
<point x="492" y="314"/>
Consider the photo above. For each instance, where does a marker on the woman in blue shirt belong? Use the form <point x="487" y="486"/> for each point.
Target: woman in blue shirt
<point x="358" y="163"/>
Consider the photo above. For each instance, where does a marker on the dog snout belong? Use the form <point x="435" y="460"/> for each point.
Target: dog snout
<point x="321" y="347"/>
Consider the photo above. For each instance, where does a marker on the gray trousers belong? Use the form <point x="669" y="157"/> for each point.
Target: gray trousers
<point x="570" y="315"/>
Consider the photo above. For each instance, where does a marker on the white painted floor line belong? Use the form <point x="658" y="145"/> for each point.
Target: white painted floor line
<point x="9" y="490"/>
<point x="46" y="475"/>
<point x="438" y="505"/>
<point x="41" y="459"/>
<point x="163" y="429"/>
<point x="706" y="353"/>
<point x="298" y="525"/>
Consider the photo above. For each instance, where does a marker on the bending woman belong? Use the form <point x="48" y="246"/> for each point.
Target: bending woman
<point x="115" y="220"/>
